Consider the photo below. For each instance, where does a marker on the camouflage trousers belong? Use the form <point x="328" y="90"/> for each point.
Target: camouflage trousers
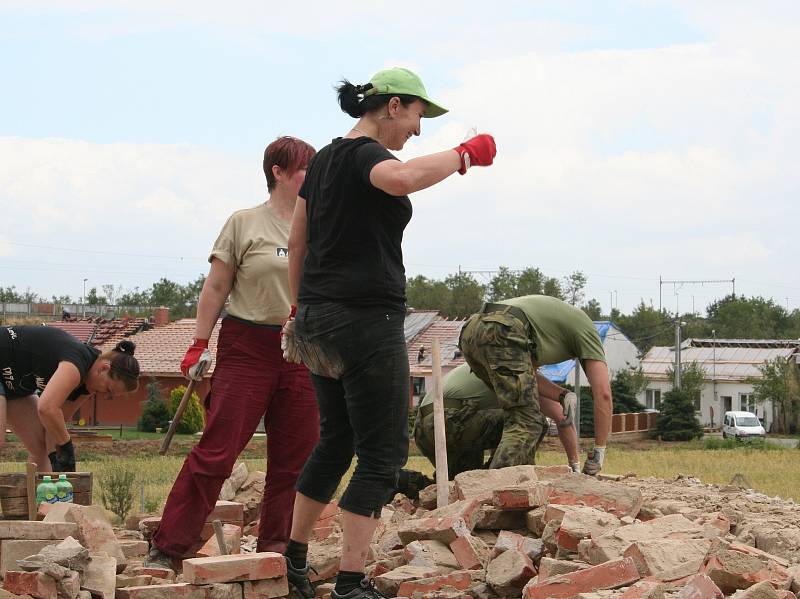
<point x="500" y="350"/>
<point x="470" y="432"/>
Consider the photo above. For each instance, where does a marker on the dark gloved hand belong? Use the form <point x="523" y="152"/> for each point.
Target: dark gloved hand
<point x="197" y="360"/>
<point x="476" y="151"/>
<point x="594" y="461"/>
<point x="411" y="482"/>
<point x="288" y="345"/>
<point x="63" y="458"/>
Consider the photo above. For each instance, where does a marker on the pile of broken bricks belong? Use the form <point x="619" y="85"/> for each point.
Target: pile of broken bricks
<point x="540" y="532"/>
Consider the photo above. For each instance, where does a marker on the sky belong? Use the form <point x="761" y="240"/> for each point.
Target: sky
<point x="636" y="140"/>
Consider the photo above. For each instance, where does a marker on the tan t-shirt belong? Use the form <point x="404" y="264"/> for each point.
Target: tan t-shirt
<point x="255" y="242"/>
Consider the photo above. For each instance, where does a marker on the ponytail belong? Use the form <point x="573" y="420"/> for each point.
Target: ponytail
<point x="353" y="99"/>
<point x="124" y="367"/>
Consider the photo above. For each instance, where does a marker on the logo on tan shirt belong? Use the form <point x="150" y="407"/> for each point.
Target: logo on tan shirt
<point x="282" y="252"/>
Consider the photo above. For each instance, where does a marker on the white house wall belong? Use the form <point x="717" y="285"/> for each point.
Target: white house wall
<point x="620" y="353"/>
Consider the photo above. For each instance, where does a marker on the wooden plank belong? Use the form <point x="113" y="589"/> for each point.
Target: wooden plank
<point x="12" y="484"/>
<point x="14" y="507"/>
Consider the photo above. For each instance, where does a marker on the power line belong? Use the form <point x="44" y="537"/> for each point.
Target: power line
<point x="99" y="252"/>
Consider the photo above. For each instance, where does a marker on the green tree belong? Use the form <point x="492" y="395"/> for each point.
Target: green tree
<point x="155" y="413"/>
<point x="593" y="309"/>
<point x="61" y="299"/>
<point x="504" y="285"/>
<point x="192" y="419"/>
<point x="646" y="326"/>
<point x="574" y="286"/>
<point x="427" y="294"/>
<point x="10" y="295"/>
<point x="95" y="300"/>
<point x="625" y="386"/>
<point x="466" y="295"/>
<point x="750" y="318"/>
<point x="693" y="377"/>
<point x="677" y="420"/>
<point x="780" y="383"/>
<point x="134" y="298"/>
<point x="530" y="281"/>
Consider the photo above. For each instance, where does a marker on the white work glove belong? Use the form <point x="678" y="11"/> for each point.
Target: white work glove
<point x="288" y="344"/>
<point x="570" y="406"/>
<point x="575" y="467"/>
<point x="594" y="461"/>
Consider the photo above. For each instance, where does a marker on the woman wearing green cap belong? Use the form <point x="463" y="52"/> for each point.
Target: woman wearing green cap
<point x="347" y="278"/>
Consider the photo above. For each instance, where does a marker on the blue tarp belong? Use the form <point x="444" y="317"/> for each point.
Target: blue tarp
<point x="558" y="373"/>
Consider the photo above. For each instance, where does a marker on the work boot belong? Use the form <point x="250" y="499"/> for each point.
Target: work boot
<point x="157" y="559"/>
<point x="298" y="578"/>
<point x="366" y="590"/>
<point x="411" y="482"/>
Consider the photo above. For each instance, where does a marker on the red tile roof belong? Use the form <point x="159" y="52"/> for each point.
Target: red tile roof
<point x="99" y="331"/>
<point x="161" y="349"/>
<point x="447" y="331"/>
<point x="82" y="329"/>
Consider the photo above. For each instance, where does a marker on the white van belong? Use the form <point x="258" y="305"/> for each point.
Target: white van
<point x="742" y="425"/>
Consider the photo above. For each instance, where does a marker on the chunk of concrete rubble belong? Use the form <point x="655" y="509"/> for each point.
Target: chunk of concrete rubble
<point x="549" y="567"/>
<point x="36" y="584"/>
<point x="69" y="586"/>
<point x="466" y="509"/>
<point x="458" y="580"/>
<point x="644" y="589"/>
<point x="580" y="489"/>
<point x="250" y="494"/>
<point x="152" y="572"/>
<point x="471" y="552"/>
<point x="481" y="484"/>
<point x="95" y="532"/>
<point x="732" y="569"/>
<point x="534" y="520"/>
<point x="389" y="583"/>
<point x="509" y="540"/>
<point x="324" y="557"/>
<point x="668" y="559"/>
<point x="494" y="518"/>
<point x="133" y="548"/>
<point x="582" y="522"/>
<point x="612" y="545"/>
<point x="233" y="538"/>
<point x="33" y="530"/>
<point x="760" y="590"/>
<point x="68" y="553"/>
<point x="509" y="572"/>
<point x="446" y="529"/>
<point x="12" y="550"/>
<point x="527" y="496"/>
<point x="132" y="581"/>
<point x="717" y="520"/>
<point x="610" y="575"/>
<point x="430" y="553"/>
<point x="233" y="482"/>
<point x="428" y="497"/>
<point x="234" y="568"/>
<point x="700" y="586"/>
<point x="179" y="590"/>
<point x="265" y="589"/>
<point x="100" y="576"/>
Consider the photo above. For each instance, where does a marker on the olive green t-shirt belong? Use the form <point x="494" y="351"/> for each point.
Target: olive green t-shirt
<point x="255" y="242"/>
<point x="563" y="332"/>
<point x="460" y="384"/>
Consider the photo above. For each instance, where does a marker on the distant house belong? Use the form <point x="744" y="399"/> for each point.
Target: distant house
<point x="727" y="363"/>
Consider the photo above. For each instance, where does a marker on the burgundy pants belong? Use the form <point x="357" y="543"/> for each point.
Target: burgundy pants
<point x="251" y="379"/>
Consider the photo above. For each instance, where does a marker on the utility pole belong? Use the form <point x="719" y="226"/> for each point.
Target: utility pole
<point x="678" y="353"/>
<point x="678" y="284"/>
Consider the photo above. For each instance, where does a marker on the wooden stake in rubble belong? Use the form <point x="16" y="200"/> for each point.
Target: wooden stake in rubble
<point x="439" y="437"/>
<point x="223" y="546"/>
<point x="30" y="483"/>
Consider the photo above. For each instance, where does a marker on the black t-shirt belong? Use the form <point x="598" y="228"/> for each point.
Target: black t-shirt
<point x="354" y="231"/>
<point x="29" y="355"/>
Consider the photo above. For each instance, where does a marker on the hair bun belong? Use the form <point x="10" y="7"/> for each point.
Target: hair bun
<point x="125" y="347"/>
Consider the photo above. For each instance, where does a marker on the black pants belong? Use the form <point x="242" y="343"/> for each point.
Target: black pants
<point x="359" y="367"/>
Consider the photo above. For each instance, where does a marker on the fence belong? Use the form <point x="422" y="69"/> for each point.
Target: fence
<point x="53" y="311"/>
<point x="638" y="422"/>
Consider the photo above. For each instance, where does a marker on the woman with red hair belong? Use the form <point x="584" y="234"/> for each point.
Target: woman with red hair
<point x="251" y="380"/>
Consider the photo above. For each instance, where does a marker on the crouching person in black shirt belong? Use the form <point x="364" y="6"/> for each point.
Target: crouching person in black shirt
<point x="46" y="374"/>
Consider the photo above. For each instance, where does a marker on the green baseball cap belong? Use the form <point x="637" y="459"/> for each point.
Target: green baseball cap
<point x="403" y="81"/>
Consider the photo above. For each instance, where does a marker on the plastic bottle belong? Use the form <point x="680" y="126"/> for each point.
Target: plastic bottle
<point x="46" y="491"/>
<point x="64" y="488"/>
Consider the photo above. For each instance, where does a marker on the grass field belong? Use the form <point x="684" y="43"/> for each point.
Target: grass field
<point x="770" y="470"/>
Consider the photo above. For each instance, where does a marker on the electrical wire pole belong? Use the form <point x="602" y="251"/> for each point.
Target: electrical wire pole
<point x="678" y="353"/>
<point x="677" y="284"/>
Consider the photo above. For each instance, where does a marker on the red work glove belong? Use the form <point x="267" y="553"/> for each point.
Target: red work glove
<point x="197" y="360"/>
<point x="476" y="151"/>
<point x="288" y="344"/>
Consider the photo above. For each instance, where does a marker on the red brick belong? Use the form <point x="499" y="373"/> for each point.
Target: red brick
<point x="33" y="530"/>
<point x="760" y="590"/>
<point x="493" y="518"/>
<point x="460" y="580"/>
<point x="430" y="553"/>
<point x="231" y="568"/>
<point x="553" y="472"/>
<point x="233" y="541"/>
<point x="582" y="522"/>
<point x="480" y="484"/>
<point x="668" y="559"/>
<point x="266" y="589"/>
<point x="35" y="584"/>
<point x="731" y="570"/>
<point x="509" y="572"/>
<point x="610" y="575"/>
<point x="507" y="540"/>
<point x="227" y="511"/>
<point x="390" y="582"/>
<point x="700" y="587"/>
<point x="471" y="552"/>
<point x="528" y="496"/>
<point x="467" y="509"/>
<point x="644" y="589"/>
<point x="718" y="520"/>
<point x="615" y="499"/>
<point x="134" y="548"/>
<point x="95" y="532"/>
<point x="163" y="591"/>
<point x="162" y="573"/>
<point x="549" y="567"/>
<point x="445" y="530"/>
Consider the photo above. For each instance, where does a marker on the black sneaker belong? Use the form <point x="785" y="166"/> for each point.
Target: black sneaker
<point x="365" y="590"/>
<point x="298" y="578"/>
<point x="157" y="559"/>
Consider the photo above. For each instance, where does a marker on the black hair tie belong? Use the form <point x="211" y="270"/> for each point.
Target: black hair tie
<point x="361" y="89"/>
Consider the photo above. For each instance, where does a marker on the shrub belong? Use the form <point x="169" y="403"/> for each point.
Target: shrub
<point x="154" y="413"/>
<point x="117" y="490"/>
<point x="677" y="421"/>
<point x="192" y="419"/>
